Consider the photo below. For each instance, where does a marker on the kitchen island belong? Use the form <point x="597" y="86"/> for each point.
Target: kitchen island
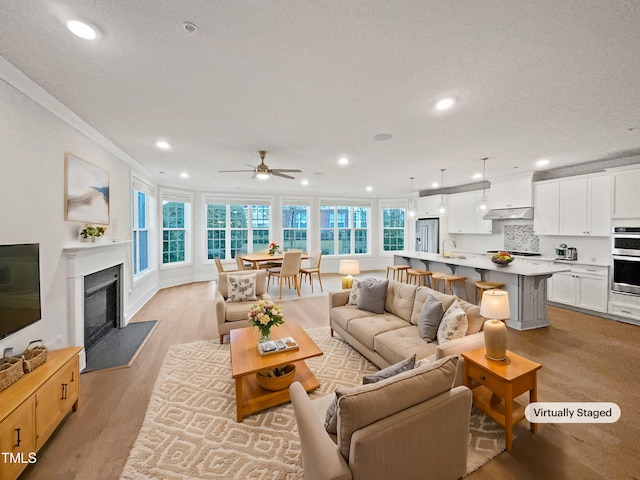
<point x="526" y="282"/>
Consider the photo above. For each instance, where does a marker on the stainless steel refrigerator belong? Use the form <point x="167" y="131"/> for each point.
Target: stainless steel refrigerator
<point x="427" y="235"/>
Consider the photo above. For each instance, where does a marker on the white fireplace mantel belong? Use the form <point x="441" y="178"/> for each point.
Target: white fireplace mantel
<point x="87" y="258"/>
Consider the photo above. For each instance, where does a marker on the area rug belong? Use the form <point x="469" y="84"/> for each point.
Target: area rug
<point x="190" y="431"/>
<point x="119" y="347"/>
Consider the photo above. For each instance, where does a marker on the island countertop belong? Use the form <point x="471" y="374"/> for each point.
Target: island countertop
<point x="483" y="262"/>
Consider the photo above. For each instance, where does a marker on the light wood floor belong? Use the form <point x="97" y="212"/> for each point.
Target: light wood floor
<point x="584" y="358"/>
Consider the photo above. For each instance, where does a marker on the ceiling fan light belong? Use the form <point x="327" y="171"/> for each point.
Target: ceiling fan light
<point x="262" y="176"/>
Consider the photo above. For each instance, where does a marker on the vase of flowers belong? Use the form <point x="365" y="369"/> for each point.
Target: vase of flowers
<point x="264" y="315"/>
<point x="91" y="233"/>
<point x="274" y="248"/>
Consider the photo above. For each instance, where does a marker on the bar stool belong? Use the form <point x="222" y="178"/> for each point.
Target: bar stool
<point x="419" y="277"/>
<point x="449" y="281"/>
<point x="482" y="286"/>
<point x="399" y="271"/>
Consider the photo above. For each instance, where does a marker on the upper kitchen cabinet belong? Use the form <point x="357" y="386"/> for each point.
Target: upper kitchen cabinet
<point x="429" y="206"/>
<point x="546" y="212"/>
<point x="626" y="193"/>
<point x="464" y="216"/>
<point x="512" y="193"/>
<point x="585" y="206"/>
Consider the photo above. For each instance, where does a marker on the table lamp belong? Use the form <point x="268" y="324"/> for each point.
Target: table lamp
<point x="348" y="268"/>
<point x="495" y="307"/>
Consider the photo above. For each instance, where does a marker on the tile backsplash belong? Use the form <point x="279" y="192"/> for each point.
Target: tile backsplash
<point x="521" y="238"/>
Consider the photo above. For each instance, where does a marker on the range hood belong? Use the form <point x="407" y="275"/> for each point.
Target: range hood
<point x="521" y="213"/>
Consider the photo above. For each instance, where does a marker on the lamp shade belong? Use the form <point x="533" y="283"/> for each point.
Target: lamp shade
<point x="495" y="304"/>
<point x="349" y="267"/>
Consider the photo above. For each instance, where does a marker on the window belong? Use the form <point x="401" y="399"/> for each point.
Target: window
<point x="393" y="229"/>
<point x="295" y="227"/>
<point x="234" y="229"/>
<point x="176" y="214"/>
<point x="140" y="228"/>
<point x="344" y="230"/>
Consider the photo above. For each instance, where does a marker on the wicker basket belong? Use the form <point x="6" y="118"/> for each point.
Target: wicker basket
<point x="34" y="356"/>
<point x="275" y="384"/>
<point x="10" y="371"/>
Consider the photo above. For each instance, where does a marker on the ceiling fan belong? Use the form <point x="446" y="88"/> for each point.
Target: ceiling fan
<point x="263" y="172"/>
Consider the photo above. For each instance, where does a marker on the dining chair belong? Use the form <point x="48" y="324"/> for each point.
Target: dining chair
<point x="290" y="270"/>
<point x="316" y="258"/>
<point x="241" y="264"/>
<point x="220" y="267"/>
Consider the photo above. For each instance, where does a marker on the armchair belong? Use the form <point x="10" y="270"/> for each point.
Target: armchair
<point x="414" y="425"/>
<point x="231" y="315"/>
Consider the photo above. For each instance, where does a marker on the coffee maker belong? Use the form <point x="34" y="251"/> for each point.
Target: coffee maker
<point x="565" y="252"/>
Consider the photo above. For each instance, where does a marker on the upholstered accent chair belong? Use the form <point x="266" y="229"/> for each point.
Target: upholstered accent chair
<point x="234" y="314"/>
<point x="414" y="425"/>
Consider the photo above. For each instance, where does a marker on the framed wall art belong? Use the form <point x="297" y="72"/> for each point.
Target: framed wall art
<point x="86" y="191"/>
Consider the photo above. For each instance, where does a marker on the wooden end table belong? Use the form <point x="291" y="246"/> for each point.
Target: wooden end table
<point x="246" y="362"/>
<point x="495" y="384"/>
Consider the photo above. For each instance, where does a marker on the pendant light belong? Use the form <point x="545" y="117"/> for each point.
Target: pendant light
<point x="412" y="206"/>
<point x="442" y="210"/>
<point x="483" y="203"/>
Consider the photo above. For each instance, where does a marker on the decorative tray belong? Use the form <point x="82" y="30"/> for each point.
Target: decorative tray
<point x="277" y="346"/>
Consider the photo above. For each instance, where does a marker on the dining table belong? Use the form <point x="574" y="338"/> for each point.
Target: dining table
<point x="257" y="258"/>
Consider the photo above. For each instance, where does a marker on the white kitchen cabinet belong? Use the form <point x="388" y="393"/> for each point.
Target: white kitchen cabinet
<point x="584" y="286"/>
<point x="626" y="194"/>
<point x="585" y="206"/>
<point x="546" y="212"/>
<point x="510" y="194"/>
<point x="429" y="206"/>
<point x="464" y="216"/>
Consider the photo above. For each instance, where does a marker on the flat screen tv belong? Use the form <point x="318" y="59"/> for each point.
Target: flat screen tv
<point x="19" y="287"/>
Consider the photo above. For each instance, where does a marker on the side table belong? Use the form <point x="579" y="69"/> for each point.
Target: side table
<point x="495" y="384"/>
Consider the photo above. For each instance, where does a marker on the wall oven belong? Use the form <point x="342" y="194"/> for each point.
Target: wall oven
<point x="626" y="260"/>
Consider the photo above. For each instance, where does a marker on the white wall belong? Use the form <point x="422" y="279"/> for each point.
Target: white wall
<point x="34" y="142"/>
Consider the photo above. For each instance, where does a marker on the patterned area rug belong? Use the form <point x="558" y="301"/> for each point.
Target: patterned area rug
<point x="189" y="431"/>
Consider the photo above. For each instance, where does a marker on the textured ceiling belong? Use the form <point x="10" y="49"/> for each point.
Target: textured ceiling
<point x="313" y="81"/>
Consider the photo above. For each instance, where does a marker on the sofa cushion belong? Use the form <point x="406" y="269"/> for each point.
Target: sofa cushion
<point x="241" y="288"/>
<point x="237" y="311"/>
<point x="395" y="345"/>
<point x="366" y="328"/>
<point x="341" y="316"/>
<point x="356" y="288"/>
<point x="363" y="405"/>
<point x="430" y="318"/>
<point x="390" y="371"/>
<point x="372" y="296"/>
<point x="454" y="323"/>
<point x="421" y="296"/>
<point x="400" y="299"/>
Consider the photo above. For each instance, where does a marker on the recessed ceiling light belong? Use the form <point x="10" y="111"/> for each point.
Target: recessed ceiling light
<point x="477" y="176"/>
<point x="435" y="185"/>
<point x="305" y="182"/>
<point x="382" y="137"/>
<point x="543" y="162"/>
<point x="369" y="188"/>
<point x="445" y="103"/>
<point x="184" y="175"/>
<point x="343" y="161"/>
<point x="82" y="29"/>
<point x="163" y="145"/>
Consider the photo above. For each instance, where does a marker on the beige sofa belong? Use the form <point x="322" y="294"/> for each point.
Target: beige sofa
<point x="231" y="315"/>
<point x="414" y="425"/>
<point x="389" y="337"/>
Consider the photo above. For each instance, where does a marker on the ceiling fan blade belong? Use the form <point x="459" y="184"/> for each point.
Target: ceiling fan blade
<point x="278" y="174"/>
<point x="285" y="170"/>
<point x="235" y="171"/>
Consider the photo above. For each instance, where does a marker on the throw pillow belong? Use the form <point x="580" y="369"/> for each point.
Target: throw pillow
<point x="430" y="318"/>
<point x="390" y="371"/>
<point x="356" y="288"/>
<point x="241" y="288"/>
<point x="373" y="295"/>
<point x="331" y="420"/>
<point x="454" y="323"/>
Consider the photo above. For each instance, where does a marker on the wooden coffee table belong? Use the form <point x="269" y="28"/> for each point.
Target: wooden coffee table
<point x="246" y="362"/>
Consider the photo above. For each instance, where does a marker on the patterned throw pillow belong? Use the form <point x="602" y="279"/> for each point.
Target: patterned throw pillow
<point x="356" y="289"/>
<point x="454" y="323"/>
<point x="241" y="288"/>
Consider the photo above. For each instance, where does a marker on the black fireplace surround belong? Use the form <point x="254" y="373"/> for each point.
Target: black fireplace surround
<point x="101" y="304"/>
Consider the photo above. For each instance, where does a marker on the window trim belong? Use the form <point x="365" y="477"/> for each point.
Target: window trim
<point x="187" y="199"/>
<point x="351" y="204"/>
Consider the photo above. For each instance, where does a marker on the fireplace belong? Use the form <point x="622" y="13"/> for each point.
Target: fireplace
<point x="84" y="260"/>
<point x="101" y="304"/>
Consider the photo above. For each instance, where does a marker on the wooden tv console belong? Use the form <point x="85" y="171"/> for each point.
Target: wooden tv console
<point x="33" y="407"/>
